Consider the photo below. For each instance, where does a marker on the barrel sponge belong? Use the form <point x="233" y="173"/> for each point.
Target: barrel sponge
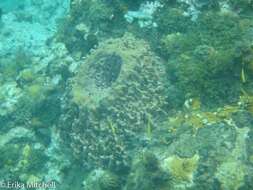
<point x="121" y="81"/>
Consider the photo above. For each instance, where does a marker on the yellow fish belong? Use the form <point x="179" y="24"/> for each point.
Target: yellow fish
<point x="243" y="78"/>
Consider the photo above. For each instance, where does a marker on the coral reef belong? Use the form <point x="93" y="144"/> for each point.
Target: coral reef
<point x="31" y="86"/>
<point x="90" y="22"/>
<point x="127" y="94"/>
<point x="232" y="170"/>
<point x="144" y="15"/>
<point x="204" y="59"/>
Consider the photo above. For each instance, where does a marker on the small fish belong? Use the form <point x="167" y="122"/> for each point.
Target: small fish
<point x="149" y="126"/>
<point x="243" y="78"/>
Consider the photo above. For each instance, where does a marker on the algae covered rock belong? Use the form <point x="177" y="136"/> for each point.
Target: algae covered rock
<point x="9" y="96"/>
<point x="182" y="169"/>
<point x="120" y="91"/>
<point x="232" y="170"/>
<point x="242" y="5"/>
<point x="148" y="174"/>
<point x="100" y="179"/>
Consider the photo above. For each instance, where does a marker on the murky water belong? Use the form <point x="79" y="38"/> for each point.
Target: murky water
<point x="126" y="95"/>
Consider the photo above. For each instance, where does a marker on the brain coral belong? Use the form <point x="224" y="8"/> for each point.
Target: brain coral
<point x="120" y="90"/>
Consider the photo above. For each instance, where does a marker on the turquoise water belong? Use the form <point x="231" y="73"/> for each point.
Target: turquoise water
<point x="126" y="95"/>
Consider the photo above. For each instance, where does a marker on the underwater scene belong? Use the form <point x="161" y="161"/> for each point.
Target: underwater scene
<point x="126" y="94"/>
